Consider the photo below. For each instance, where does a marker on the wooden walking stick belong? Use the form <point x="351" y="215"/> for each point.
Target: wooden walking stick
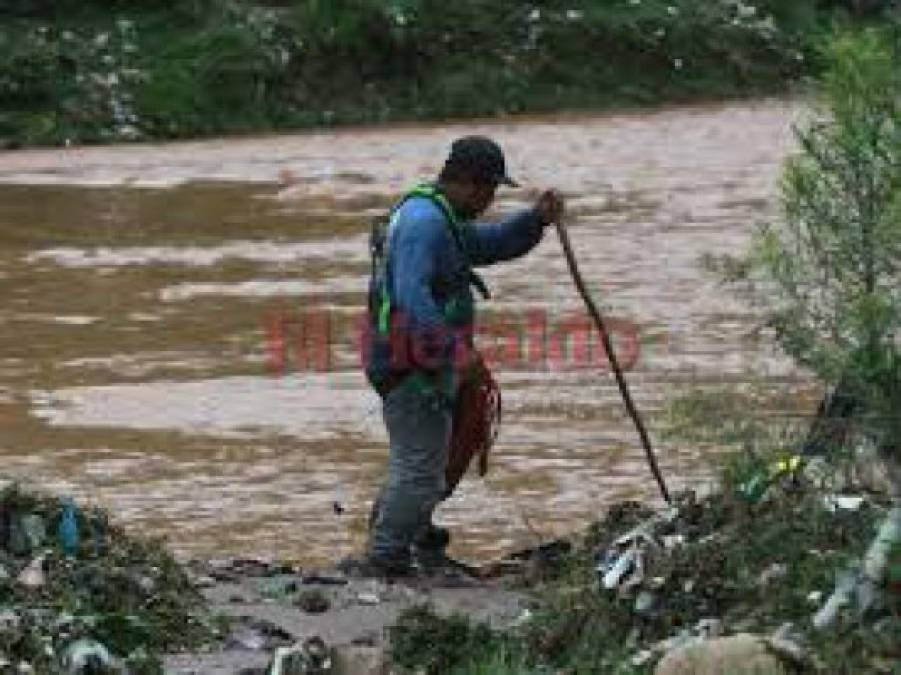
<point x="611" y="355"/>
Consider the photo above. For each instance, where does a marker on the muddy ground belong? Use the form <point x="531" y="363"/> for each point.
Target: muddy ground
<point x="273" y="607"/>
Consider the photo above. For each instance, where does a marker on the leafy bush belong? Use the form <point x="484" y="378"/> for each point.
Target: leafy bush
<point x="199" y="66"/>
<point x="227" y="73"/>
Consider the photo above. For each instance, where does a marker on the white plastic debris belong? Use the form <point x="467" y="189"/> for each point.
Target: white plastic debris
<point x="87" y="656"/>
<point x="523" y="618"/>
<point x="33" y="577"/>
<point x="709" y="628"/>
<point x="642" y="657"/>
<point x="619" y="569"/>
<point x="309" y="658"/>
<point x="671" y="541"/>
<point x="772" y="573"/>
<point x="835" y="503"/>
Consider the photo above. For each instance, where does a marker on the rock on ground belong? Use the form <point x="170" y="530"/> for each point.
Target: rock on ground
<point x="742" y="654"/>
<point x="359" y="660"/>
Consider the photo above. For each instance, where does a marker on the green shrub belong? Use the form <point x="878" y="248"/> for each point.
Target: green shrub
<point x="200" y="67"/>
<point x="830" y="267"/>
<point x="424" y="641"/>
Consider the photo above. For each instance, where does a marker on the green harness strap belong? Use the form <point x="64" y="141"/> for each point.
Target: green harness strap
<point x="432" y="193"/>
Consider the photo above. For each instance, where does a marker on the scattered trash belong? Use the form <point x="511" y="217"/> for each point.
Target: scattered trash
<point x="622" y="565"/>
<point x="641" y="658"/>
<point x="204" y="582"/>
<point x="524" y="617"/>
<point x="625" y="562"/>
<point x="834" y="503"/>
<point x="310" y="658"/>
<point x="788" y="645"/>
<point x="84" y="657"/>
<point x="67" y="533"/>
<point x="119" y="595"/>
<point x="756" y="486"/>
<point x="671" y="541"/>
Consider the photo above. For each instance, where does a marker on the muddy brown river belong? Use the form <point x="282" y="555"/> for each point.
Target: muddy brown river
<point x="179" y="320"/>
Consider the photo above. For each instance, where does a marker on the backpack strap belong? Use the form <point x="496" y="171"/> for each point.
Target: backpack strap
<point x="453" y="222"/>
<point x="430" y="192"/>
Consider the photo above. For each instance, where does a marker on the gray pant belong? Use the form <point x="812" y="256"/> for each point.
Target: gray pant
<point x="419" y="426"/>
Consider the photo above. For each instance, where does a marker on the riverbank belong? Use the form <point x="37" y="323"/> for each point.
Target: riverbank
<point x="709" y="568"/>
<point x="83" y="73"/>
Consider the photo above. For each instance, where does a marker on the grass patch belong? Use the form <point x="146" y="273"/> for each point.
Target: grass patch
<point x="753" y="567"/>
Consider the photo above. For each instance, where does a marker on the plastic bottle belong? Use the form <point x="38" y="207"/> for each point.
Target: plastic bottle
<point x="68" y="529"/>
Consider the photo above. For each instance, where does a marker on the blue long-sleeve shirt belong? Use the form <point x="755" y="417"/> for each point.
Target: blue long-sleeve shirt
<point x="426" y="268"/>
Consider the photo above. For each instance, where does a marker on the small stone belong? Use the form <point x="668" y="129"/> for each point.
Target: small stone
<point x="741" y="654"/>
<point x="359" y="660"/>
<point x="33" y="577"/>
<point x="313" y="601"/>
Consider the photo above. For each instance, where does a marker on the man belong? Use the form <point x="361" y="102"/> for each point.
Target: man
<point x="422" y="310"/>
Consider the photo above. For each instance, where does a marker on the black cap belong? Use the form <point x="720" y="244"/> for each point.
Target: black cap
<point x="481" y="158"/>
